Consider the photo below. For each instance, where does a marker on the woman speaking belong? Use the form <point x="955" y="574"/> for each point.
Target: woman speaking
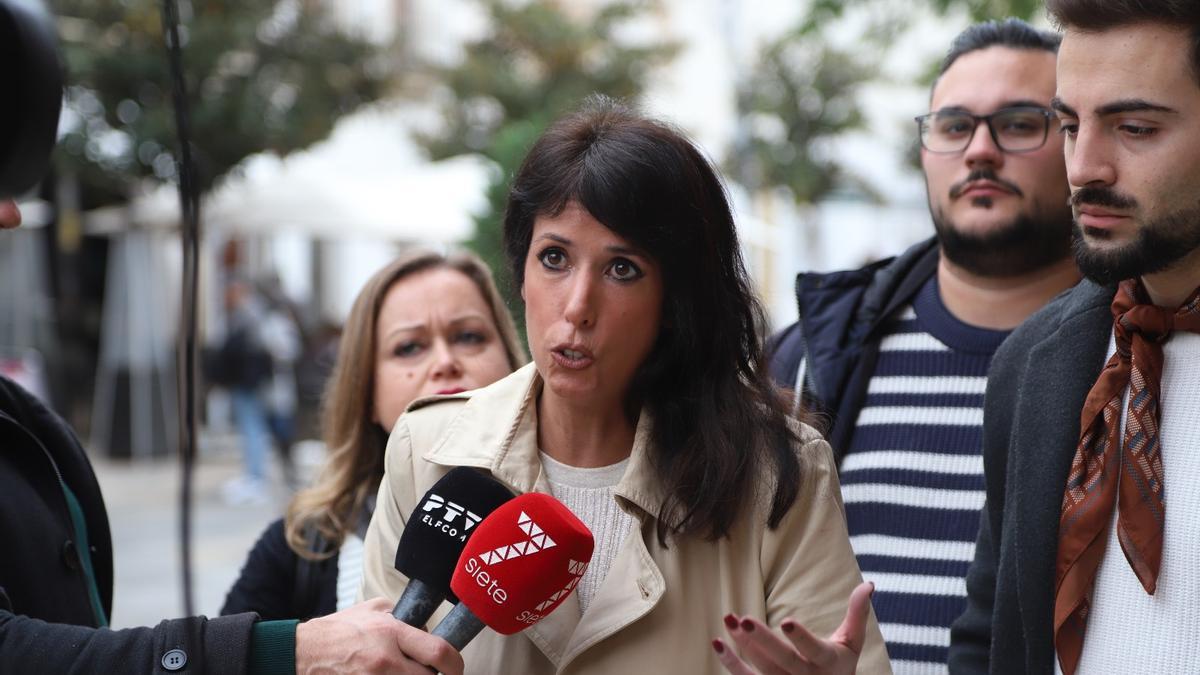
<point x="646" y="410"/>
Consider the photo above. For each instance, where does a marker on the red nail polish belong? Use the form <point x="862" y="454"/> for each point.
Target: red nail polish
<point x="747" y="626"/>
<point x="788" y="627"/>
<point x="731" y="621"/>
<point x="718" y="647"/>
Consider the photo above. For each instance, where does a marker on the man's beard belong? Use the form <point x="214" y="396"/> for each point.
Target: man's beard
<point x="1026" y="244"/>
<point x="1159" y="243"/>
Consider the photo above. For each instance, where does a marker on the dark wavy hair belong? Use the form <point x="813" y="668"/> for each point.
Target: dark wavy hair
<point x="720" y="424"/>
<point x="1011" y="33"/>
<point x="1100" y="15"/>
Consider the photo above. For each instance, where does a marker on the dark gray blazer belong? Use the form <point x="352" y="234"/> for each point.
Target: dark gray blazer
<point x="1038" y="381"/>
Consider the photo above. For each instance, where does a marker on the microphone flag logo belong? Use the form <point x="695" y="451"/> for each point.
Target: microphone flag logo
<point x="537" y="540"/>
<point x="575" y="568"/>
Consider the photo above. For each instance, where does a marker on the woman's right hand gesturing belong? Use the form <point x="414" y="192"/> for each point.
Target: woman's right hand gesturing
<point x="794" y="650"/>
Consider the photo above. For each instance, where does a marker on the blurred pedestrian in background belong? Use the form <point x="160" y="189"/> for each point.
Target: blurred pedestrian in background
<point x="425" y="324"/>
<point x="282" y="337"/>
<point x="245" y="365"/>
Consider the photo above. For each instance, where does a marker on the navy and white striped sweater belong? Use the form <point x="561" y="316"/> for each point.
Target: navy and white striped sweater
<point x="912" y="478"/>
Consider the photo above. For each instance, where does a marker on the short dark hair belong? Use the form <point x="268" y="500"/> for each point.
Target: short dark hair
<point x="1011" y="33"/>
<point x="719" y="423"/>
<point x="1100" y="15"/>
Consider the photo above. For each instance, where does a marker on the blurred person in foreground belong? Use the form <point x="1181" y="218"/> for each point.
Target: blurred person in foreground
<point x="56" y="581"/>
<point x="1086" y="561"/>
<point x="648" y="411"/>
<point x="426" y="324"/>
<point x="897" y="353"/>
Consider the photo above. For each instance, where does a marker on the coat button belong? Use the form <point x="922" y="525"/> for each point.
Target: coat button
<point x="175" y="659"/>
<point x="70" y="556"/>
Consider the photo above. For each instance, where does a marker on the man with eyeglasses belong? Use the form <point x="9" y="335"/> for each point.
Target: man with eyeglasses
<point x="896" y="354"/>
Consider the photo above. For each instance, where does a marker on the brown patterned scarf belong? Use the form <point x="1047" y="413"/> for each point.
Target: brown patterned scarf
<point x="1108" y="473"/>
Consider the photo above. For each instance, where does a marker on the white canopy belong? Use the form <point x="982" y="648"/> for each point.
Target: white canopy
<point x="367" y="180"/>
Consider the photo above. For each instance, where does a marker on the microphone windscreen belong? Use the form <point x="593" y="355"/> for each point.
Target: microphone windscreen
<point x="444" y="520"/>
<point x="523" y="561"/>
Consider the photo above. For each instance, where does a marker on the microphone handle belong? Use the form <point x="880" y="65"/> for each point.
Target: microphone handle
<point x="459" y="627"/>
<point x="418" y="602"/>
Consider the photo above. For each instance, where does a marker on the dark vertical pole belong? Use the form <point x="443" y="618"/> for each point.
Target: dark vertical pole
<point x="190" y="238"/>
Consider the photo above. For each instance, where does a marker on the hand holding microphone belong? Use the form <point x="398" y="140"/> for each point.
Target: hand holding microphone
<point x="444" y="520"/>
<point x="364" y="639"/>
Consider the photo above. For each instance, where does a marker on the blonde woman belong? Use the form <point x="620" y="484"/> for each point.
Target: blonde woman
<point x="426" y="324"/>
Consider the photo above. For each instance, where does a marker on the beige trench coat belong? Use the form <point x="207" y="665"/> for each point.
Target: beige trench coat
<point x="658" y="608"/>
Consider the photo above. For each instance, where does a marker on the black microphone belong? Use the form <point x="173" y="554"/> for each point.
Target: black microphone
<point x="434" y="538"/>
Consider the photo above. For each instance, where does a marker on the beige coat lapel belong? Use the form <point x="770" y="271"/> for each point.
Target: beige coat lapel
<point x="492" y="434"/>
<point x="631" y="590"/>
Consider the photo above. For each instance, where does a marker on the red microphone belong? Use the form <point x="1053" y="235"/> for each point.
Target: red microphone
<point x="522" y="562"/>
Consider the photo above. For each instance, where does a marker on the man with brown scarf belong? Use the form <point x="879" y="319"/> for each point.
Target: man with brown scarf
<point x="1085" y="560"/>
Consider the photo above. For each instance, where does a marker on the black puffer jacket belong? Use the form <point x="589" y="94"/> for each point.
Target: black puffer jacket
<point x="838" y="333"/>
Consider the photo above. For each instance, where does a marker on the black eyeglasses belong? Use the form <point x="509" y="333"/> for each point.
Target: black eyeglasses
<point x="1016" y="129"/>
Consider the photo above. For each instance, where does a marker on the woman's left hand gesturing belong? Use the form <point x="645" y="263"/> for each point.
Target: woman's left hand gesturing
<point x="797" y="651"/>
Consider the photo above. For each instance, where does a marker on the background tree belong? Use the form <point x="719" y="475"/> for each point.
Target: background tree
<point x="823" y="11"/>
<point x="804" y="91"/>
<point x="262" y="75"/>
<point x="537" y="62"/>
<point x="801" y="92"/>
<point x="981" y="10"/>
